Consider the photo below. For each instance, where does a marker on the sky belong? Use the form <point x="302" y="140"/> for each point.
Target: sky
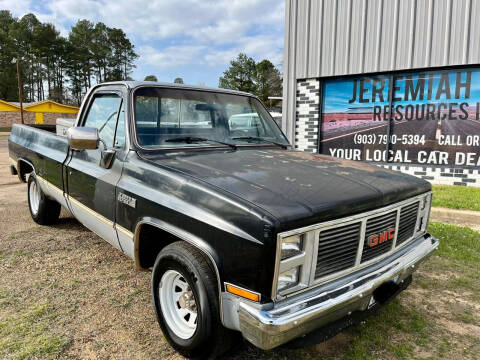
<point x="191" y="39"/>
<point x="339" y="92"/>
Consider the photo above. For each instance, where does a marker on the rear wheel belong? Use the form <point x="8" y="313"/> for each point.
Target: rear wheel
<point x="185" y="296"/>
<point x="43" y="210"/>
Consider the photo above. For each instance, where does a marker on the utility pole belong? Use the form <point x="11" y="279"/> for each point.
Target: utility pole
<point x="20" y="95"/>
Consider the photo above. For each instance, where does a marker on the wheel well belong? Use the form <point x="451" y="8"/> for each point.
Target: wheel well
<point x="23" y="169"/>
<point x="151" y="240"/>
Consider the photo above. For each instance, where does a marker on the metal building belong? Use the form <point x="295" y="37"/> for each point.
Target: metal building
<point x="394" y="54"/>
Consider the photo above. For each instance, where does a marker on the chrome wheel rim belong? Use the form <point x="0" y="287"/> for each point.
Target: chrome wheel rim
<point x="177" y="303"/>
<point x="34" y="195"/>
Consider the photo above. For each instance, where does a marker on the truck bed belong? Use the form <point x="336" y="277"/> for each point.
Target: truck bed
<point x="41" y="148"/>
<point x="45" y="127"/>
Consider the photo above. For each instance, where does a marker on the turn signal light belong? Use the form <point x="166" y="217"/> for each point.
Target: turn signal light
<point x="250" y="295"/>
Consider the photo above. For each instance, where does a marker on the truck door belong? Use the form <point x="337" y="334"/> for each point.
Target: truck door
<point x="90" y="182"/>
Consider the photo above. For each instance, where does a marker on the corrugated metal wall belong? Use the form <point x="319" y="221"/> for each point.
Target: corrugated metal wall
<point x="339" y="37"/>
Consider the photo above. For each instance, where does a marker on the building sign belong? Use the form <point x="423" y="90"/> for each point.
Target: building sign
<point x="426" y="118"/>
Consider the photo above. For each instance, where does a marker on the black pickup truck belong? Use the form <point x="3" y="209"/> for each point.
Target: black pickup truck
<point x="242" y="233"/>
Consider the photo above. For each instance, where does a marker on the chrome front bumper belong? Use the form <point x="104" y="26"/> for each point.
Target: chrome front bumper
<point x="321" y="306"/>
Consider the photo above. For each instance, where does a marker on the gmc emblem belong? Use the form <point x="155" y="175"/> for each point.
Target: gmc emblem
<point x="374" y="240"/>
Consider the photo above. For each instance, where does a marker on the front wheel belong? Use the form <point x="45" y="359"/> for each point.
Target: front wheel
<point x="43" y="210"/>
<point x="185" y="296"/>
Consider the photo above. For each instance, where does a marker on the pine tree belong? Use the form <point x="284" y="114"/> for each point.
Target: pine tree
<point x="59" y="68"/>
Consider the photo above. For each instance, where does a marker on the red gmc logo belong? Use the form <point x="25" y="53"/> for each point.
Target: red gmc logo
<point x="374" y="240"/>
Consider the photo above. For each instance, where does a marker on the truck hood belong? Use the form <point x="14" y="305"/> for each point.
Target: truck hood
<point x="295" y="187"/>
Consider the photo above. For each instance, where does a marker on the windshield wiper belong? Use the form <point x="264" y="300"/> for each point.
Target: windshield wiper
<point x="192" y="139"/>
<point x="283" y="146"/>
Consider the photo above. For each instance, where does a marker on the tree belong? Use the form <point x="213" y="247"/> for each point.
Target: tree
<point x="262" y="79"/>
<point x="240" y="75"/>
<point x="268" y="80"/>
<point x="59" y="68"/>
<point x="178" y="80"/>
<point x="81" y="38"/>
<point x="23" y="33"/>
<point x="100" y="50"/>
<point x="122" y="55"/>
<point x="151" y="78"/>
<point x="8" y="72"/>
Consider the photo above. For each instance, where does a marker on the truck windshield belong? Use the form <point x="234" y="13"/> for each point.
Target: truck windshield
<point x="167" y="117"/>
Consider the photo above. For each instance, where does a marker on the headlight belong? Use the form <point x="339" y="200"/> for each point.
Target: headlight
<point x="293" y="267"/>
<point x="288" y="279"/>
<point x="291" y="246"/>
<point x="425" y="204"/>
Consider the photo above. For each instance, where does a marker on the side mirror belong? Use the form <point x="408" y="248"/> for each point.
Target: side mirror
<point x="83" y="138"/>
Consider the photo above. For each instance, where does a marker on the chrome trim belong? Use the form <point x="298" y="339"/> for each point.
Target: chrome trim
<point x="198" y="243"/>
<point x="267" y="328"/>
<point x="315" y="229"/>
<point x="363" y="229"/>
<point x="397" y="224"/>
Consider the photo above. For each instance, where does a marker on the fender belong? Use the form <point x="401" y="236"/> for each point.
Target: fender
<point x="193" y="240"/>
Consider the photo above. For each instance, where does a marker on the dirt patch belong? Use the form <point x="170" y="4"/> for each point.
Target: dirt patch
<point x="456" y="217"/>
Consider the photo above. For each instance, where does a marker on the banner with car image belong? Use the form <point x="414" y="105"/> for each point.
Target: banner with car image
<point x="427" y="118"/>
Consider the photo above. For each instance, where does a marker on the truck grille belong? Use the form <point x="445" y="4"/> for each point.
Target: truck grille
<point x="338" y="248"/>
<point x="343" y="247"/>
<point x="408" y="220"/>
<point x="335" y="255"/>
<point x="375" y="226"/>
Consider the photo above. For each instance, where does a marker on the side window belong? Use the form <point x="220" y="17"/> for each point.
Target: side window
<point x="120" y="134"/>
<point x="103" y="115"/>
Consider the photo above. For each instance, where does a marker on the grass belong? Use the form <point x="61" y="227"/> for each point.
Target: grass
<point x="456" y="197"/>
<point x="369" y="337"/>
<point x="5" y="129"/>
<point x="458" y="244"/>
<point x="4" y="137"/>
<point x="26" y="334"/>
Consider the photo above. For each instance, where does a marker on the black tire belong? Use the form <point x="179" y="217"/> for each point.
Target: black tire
<point x="48" y="211"/>
<point x="210" y="338"/>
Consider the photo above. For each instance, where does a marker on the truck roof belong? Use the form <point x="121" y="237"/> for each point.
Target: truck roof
<point x="134" y="84"/>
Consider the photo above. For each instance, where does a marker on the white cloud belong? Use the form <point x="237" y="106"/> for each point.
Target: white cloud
<point x="171" y="56"/>
<point x="218" y="20"/>
<point x="16" y="7"/>
<point x="258" y="47"/>
<point x="171" y="33"/>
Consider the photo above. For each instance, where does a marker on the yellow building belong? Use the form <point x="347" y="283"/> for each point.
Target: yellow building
<point x="42" y="112"/>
